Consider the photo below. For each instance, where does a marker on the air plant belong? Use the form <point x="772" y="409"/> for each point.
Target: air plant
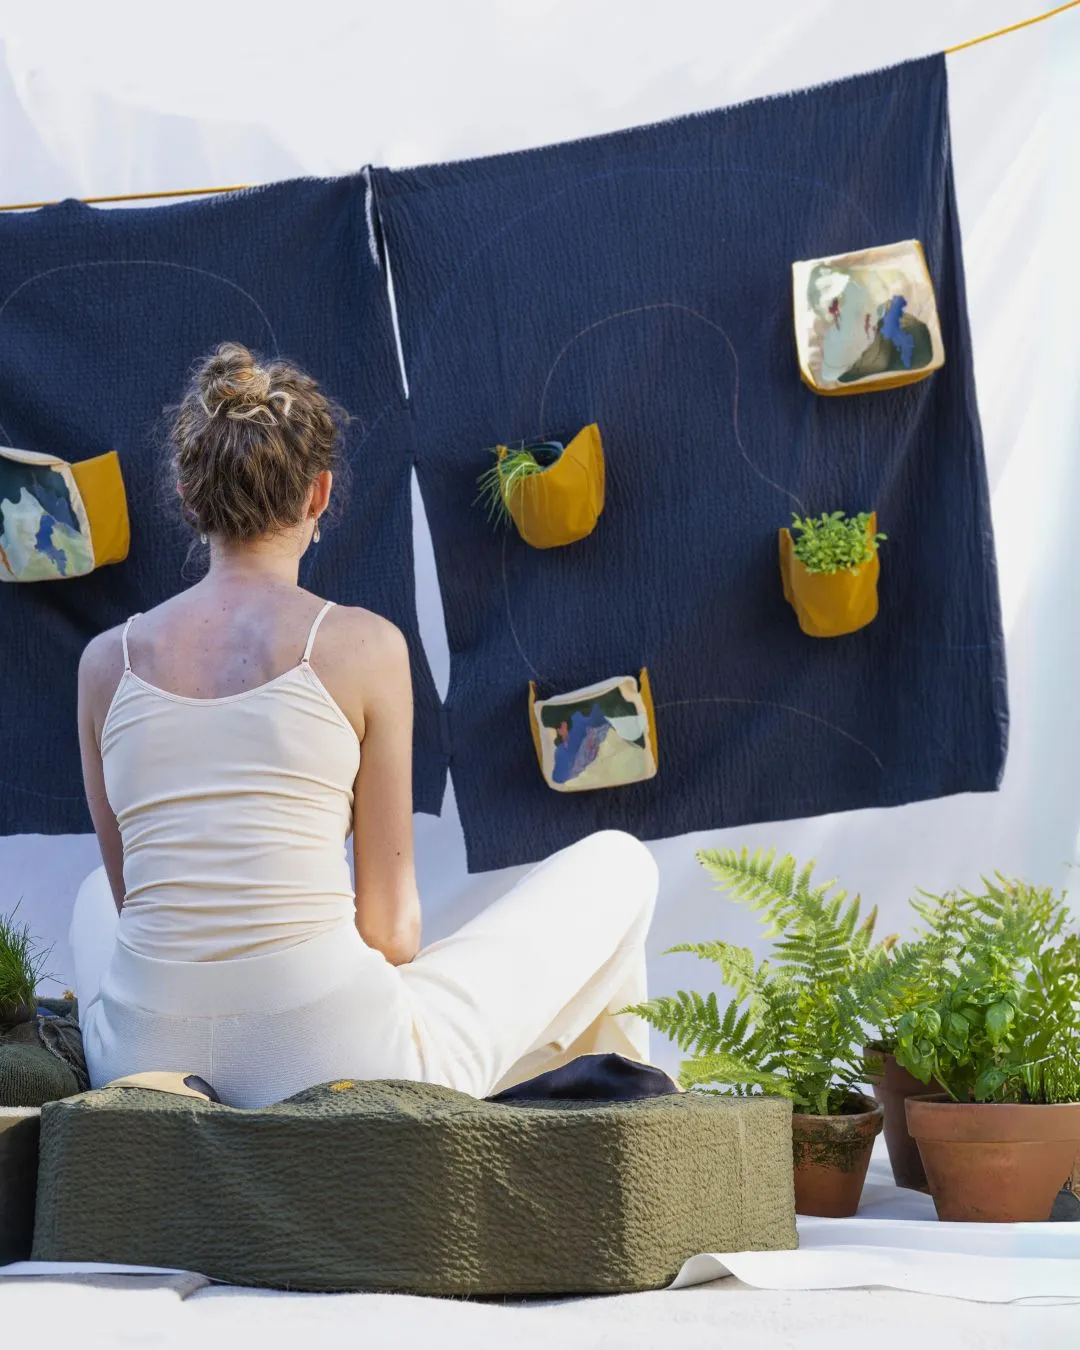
<point x="499" y="483"/>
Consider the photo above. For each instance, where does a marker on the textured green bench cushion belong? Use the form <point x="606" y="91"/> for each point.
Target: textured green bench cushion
<point x="18" y="1176"/>
<point x="30" y="1075"/>
<point x="414" y="1188"/>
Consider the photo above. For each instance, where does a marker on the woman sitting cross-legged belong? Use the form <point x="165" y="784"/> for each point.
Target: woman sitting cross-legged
<point x="232" y="739"/>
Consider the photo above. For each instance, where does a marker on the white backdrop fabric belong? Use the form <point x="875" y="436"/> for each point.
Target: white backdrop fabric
<point x="121" y="97"/>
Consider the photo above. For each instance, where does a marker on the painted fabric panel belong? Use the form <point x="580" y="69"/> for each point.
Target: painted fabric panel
<point x="102" y="314"/>
<point x="642" y="281"/>
<point x="601" y="737"/>
<point x="60" y="520"/>
<point x="44" y="528"/>
<point x="866" y="320"/>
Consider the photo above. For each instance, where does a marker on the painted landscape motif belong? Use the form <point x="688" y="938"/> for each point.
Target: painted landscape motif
<point x="598" y="739"/>
<point x="42" y="534"/>
<point x="869" y="316"/>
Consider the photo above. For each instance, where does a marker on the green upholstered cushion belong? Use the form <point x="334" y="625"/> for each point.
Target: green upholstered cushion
<point x="414" y="1188"/>
<point x="18" y="1175"/>
<point x="30" y="1075"/>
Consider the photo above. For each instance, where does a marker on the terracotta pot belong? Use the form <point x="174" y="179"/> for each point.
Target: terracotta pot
<point x="988" y="1162"/>
<point x="831" y="1155"/>
<point x="892" y="1089"/>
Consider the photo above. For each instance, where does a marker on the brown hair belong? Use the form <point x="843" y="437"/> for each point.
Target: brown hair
<point x="248" y="440"/>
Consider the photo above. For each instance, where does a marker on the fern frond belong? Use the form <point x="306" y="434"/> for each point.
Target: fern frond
<point x="733" y="1072"/>
<point x="736" y="963"/>
<point x="693" y="1021"/>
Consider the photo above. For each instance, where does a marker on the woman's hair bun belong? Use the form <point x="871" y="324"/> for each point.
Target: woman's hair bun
<point x="232" y="382"/>
<point x="248" y="440"/>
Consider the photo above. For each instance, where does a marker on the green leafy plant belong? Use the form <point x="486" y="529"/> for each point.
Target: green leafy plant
<point x="504" y="478"/>
<point x="794" y="1026"/>
<point x="1003" y="1024"/>
<point x="902" y="975"/>
<point x="22" y="964"/>
<point x="834" y="543"/>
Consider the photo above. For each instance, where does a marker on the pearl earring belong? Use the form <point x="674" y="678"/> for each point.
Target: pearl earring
<point x="202" y="538"/>
<point x="315" y="535"/>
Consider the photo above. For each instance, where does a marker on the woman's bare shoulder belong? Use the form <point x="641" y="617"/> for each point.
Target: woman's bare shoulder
<point x="101" y="668"/>
<point x="353" y="632"/>
<point x="363" y="660"/>
<point x="102" y="657"/>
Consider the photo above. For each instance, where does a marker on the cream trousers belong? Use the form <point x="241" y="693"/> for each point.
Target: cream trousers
<point x="529" y="983"/>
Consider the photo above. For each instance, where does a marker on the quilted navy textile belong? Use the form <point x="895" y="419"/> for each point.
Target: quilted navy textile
<point x="642" y="280"/>
<point x="102" y="313"/>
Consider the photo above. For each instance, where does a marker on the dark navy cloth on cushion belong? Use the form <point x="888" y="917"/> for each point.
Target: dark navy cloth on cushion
<point x="102" y="314"/>
<point x="642" y="280"/>
<point x="592" y="1078"/>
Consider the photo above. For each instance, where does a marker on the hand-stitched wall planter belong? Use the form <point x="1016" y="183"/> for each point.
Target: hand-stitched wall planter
<point x="60" y="520"/>
<point x="830" y="573"/>
<point x="554" y="495"/>
<point x="600" y="737"/>
<point x="866" y="320"/>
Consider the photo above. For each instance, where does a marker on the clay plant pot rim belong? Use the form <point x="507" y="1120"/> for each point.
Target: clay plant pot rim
<point x="875" y="1048"/>
<point x="845" y="1117"/>
<point x="937" y="1116"/>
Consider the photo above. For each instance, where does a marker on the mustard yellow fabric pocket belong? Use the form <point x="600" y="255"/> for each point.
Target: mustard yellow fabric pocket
<point x="101" y="484"/>
<point x="59" y="520"/>
<point x="830" y="604"/>
<point x="561" y="501"/>
<point x="866" y="320"/>
<point x="602" y="736"/>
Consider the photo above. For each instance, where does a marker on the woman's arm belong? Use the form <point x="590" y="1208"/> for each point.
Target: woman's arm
<point x="100" y="669"/>
<point x="387" y="903"/>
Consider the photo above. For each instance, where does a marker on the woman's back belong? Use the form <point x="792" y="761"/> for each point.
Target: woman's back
<point x="223" y="771"/>
<point x="233" y="807"/>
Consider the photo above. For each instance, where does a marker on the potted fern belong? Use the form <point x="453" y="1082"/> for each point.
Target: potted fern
<point x="900" y="976"/>
<point x="830" y="571"/>
<point x="21" y="969"/>
<point x="794" y="1025"/>
<point x="554" y="494"/>
<point x="1002" y="1038"/>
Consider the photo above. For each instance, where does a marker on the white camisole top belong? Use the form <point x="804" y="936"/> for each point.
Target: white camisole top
<point x="233" y="812"/>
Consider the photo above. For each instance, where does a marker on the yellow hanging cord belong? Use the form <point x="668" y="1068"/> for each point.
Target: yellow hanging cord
<point x="139" y="196"/>
<point x="239" y="187"/>
<point x="1012" y="28"/>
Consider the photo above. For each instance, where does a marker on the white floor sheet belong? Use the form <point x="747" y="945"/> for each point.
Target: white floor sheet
<point x="895" y="1242"/>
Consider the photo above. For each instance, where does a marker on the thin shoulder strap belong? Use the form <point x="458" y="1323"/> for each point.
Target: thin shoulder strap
<point x="314" y="629"/>
<point x="124" y="641"/>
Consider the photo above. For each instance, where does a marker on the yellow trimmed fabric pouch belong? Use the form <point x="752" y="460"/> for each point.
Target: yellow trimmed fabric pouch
<point x="600" y="737"/>
<point x="563" y="501"/>
<point x="830" y="604"/>
<point x="60" y="520"/>
<point x="866" y="320"/>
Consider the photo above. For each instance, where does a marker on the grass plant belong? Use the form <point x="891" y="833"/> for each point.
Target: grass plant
<point x="503" y="479"/>
<point x="22" y="963"/>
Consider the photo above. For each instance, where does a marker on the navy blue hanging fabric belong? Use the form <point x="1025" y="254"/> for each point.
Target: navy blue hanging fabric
<point x="102" y="314"/>
<point x="642" y="280"/>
